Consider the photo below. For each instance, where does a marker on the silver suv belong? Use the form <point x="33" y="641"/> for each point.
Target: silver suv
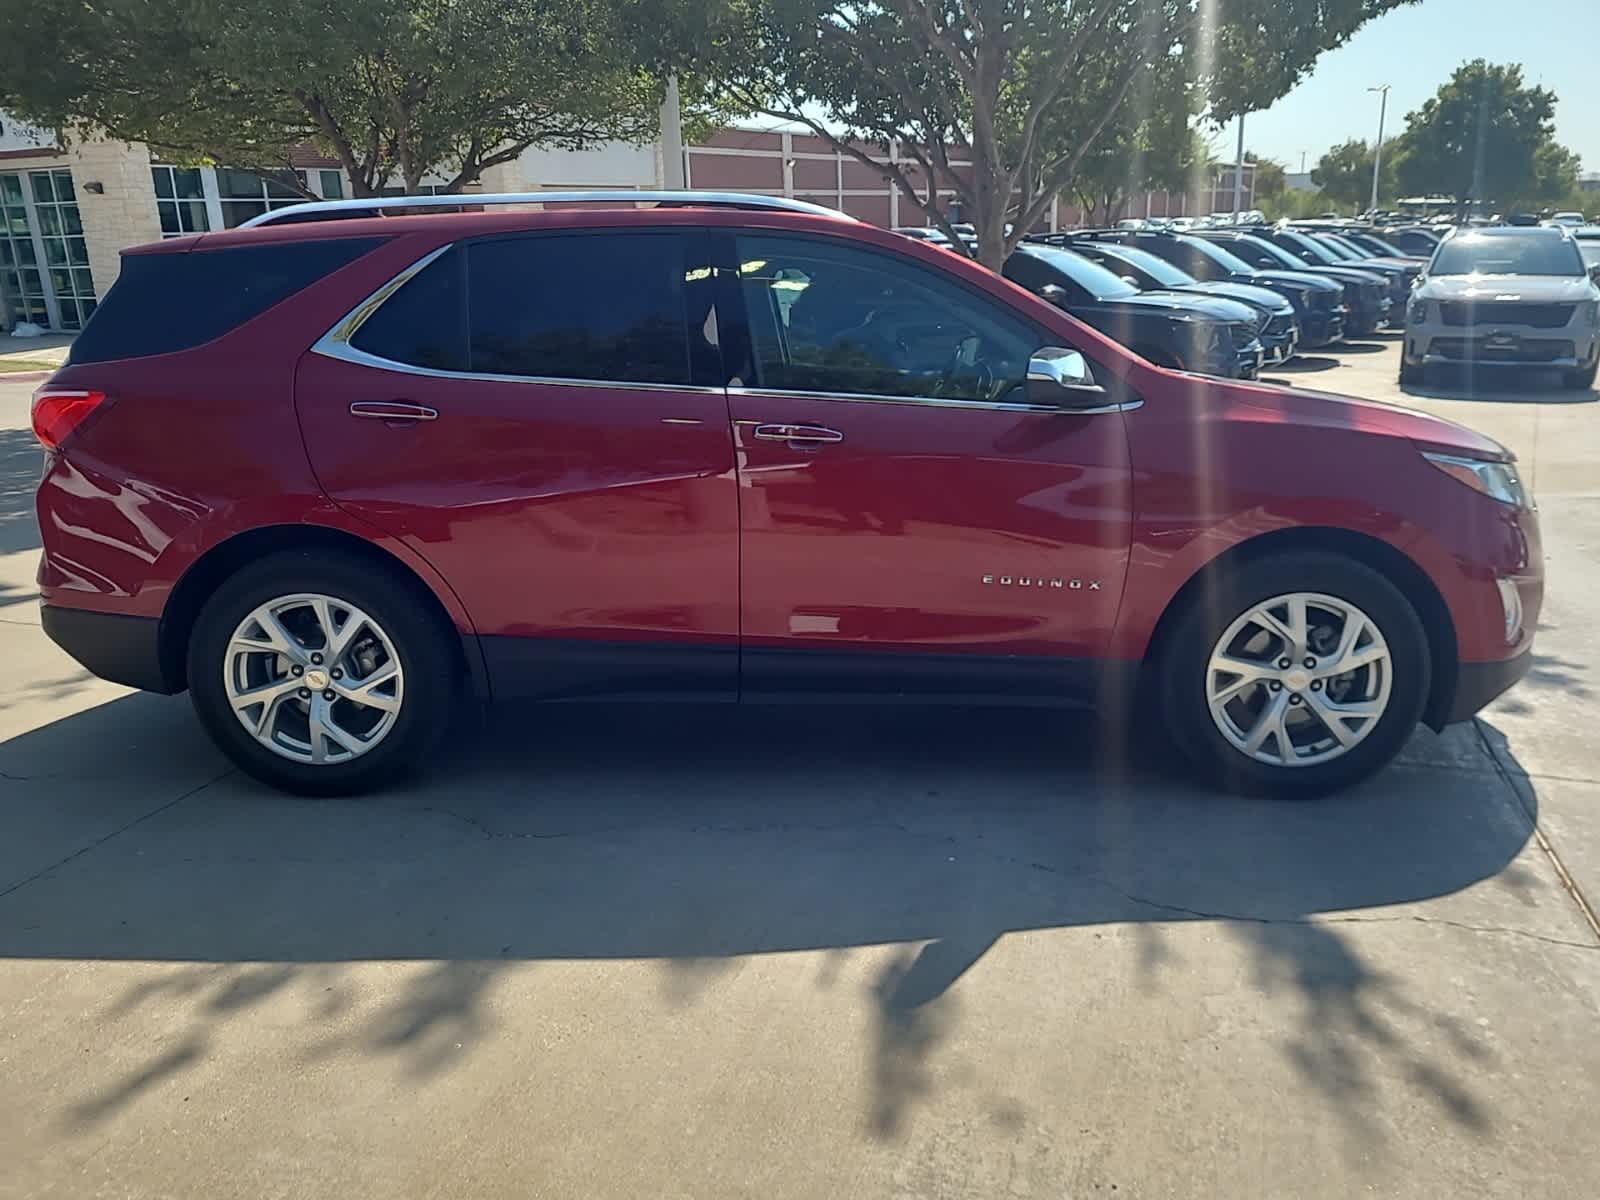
<point x="1506" y="297"/>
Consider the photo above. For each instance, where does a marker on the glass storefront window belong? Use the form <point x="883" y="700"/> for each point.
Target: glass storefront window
<point x="40" y="223"/>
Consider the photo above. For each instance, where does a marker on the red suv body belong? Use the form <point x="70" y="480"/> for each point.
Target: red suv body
<point x="362" y="465"/>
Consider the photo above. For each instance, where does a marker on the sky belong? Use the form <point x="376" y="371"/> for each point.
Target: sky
<point x="1415" y="49"/>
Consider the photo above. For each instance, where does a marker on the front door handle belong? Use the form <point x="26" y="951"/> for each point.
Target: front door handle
<point x="798" y="433"/>
<point x="399" y="412"/>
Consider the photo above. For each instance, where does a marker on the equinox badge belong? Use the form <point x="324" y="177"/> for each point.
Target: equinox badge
<point x="1033" y="581"/>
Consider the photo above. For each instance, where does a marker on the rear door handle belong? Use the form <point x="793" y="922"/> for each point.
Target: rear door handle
<point x="393" y="410"/>
<point x="797" y="433"/>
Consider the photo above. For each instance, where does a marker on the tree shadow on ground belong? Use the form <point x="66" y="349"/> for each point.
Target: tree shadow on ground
<point x="21" y="462"/>
<point x="695" y="836"/>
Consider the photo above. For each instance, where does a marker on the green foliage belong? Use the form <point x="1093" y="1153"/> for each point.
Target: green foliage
<point x="1272" y="178"/>
<point x="1344" y="176"/>
<point x="1263" y="48"/>
<point x="1150" y="143"/>
<point x="1486" y="136"/>
<point x="394" y="88"/>
<point x="1023" y="90"/>
<point x="1293" y="205"/>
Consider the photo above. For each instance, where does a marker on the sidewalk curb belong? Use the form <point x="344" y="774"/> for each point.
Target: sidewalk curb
<point x="25" y="376"/>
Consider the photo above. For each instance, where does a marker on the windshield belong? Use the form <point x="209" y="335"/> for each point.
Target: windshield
<point x="1340" y="252"/>
<point x="1231" y="263"/>
<point x="1308" y="249"/>
<point x="1341" y="245"/>
<point x="1284" y="260"/>
<point x="1378" y="246"/>
<point x="1090" y="276"/>
<point x="1158" y="269"/>
<point x="1502" y="254"/>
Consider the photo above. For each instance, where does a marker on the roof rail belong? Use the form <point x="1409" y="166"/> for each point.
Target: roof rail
<point x="330" y="210"/>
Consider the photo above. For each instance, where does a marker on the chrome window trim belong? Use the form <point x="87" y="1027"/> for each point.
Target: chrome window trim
<point x="335" y="344"/>
<point x="357" y="316"/>
<point x="344" y="352"/>
<point x="933" y="402"/>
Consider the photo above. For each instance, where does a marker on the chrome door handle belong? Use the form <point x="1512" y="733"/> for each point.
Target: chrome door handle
<point x="393" y="410"/>
<point x="797" y="433"/>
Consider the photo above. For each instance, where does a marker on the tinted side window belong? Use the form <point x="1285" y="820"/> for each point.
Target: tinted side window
<point x="602" y="306"/>
<point x="424" y="323"/>
<point x="831" y="318"/>
<point x="1028" y="272"/>
<point x="167" y="302"/>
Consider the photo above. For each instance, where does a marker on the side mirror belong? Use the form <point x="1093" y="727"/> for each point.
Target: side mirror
<point x="1594" y="272"/>
<point x="1060" y="378"/>
<point x="1054" y="293"/>
<point x="1130" y="281"/>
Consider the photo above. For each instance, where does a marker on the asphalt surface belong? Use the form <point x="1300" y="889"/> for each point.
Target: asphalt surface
<point x="609" y="952"/>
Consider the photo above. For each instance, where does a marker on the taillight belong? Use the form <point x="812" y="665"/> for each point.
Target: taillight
<point x="57" y="413"/>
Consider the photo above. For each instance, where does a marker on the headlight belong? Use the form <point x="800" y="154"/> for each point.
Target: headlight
<point x="1497" y="480"/>
<point x="1417" y="312"/>
<point x="1207" y="336"/>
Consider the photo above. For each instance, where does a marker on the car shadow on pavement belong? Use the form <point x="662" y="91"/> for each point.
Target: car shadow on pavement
<point x="695" y="836"/>
<point x="1306" y="364"/>
<point x="1498" y="386"/>
<point x="1362" y="347"/>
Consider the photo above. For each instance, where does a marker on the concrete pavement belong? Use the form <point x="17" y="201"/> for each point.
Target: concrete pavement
<point x="625" y="952"/>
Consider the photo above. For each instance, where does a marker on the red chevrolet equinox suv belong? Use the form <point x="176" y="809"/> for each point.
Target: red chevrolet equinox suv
<point x="333" y="476"/>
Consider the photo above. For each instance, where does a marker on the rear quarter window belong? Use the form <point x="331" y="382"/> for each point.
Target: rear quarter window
<point x="162" y="303"/>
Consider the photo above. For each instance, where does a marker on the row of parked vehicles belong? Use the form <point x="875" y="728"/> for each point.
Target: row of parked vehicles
<point x="1223" y="300"/>
<point x="1228" y="300"/>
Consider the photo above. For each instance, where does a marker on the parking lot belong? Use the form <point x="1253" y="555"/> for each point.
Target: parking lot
<point x="618" y="952"/>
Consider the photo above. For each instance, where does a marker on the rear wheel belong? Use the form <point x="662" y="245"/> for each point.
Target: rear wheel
<point x="1295" y="676"/>
<point x="320" y="674"/>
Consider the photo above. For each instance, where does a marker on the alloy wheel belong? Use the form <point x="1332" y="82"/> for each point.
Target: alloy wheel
<point x="1300" y="679"/>
<point x="313" y="678"/>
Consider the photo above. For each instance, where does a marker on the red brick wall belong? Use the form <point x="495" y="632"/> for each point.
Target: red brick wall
<point x="817" y="173"/>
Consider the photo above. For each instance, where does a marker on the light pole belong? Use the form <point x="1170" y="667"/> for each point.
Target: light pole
<point x="1238" y="174"/>
<point x="1377" y="155"/>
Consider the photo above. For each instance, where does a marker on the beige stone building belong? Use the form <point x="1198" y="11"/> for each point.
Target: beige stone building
<point x="68" y="210"/>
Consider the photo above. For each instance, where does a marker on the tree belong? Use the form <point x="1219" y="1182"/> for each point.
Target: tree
<point x="395" y="89"/>
<point x="1485" y="137"/>
<point x="1272" y="178"/>
<point x="1344" y="175"/>
<point x="984" y="82"/>
<point x="1149" y="144"/>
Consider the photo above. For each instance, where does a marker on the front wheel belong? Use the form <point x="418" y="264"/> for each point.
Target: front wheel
<point x="321" y="674"/>
<point x="1294" y="676"/>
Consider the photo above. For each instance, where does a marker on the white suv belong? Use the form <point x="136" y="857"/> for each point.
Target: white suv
<point x="1506" y="296"/>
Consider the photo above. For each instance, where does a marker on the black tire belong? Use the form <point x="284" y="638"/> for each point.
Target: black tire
<point x="1410" y="376"/>
<point x="1185" y="652"/>
<point x="1581" y="379"/>
<point x="422" y="641"/>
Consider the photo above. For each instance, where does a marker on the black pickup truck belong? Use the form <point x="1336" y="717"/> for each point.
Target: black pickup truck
<point x="1203" y="334"/>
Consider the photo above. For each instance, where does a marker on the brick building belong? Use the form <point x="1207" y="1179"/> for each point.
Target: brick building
<point x="68" y="210"/>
